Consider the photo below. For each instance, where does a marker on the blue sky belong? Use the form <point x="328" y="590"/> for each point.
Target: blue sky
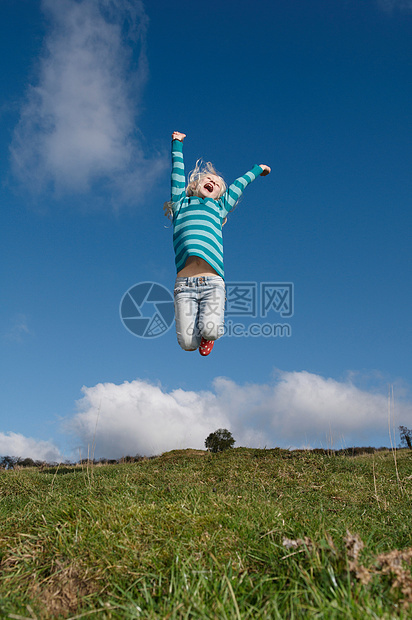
<point x="91" y="92"/>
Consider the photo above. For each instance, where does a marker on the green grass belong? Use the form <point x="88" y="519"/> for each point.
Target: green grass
<point x="196" y="535"/>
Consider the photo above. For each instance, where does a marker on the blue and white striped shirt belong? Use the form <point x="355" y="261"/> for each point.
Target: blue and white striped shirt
<point x="197" y="222"/>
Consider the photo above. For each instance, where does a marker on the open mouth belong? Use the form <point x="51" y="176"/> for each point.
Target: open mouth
<point x="209" y="187"/>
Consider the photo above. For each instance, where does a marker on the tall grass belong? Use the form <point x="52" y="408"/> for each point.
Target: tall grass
<point x="242" y="534"/>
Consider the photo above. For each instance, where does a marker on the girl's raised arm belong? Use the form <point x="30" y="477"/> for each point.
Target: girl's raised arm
<point x="177" y="135"/>
<point x="178" y="167"/>
<point x="266" y="170"/>
<point x="235" y="190"/>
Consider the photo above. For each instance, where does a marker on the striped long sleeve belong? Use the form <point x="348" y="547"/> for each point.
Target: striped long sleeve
<point x="178" y="173"/>
<point x="197" y="222"/>
<point x="234" y="192"/>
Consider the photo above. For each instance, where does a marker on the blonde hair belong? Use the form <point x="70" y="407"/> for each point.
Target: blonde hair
<point x="201" y="170"/>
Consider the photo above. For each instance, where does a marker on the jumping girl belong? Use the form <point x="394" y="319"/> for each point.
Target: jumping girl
<point x="199" y="211"/>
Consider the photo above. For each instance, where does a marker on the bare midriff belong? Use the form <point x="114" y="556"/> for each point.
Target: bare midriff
<point x="196" y="266"/>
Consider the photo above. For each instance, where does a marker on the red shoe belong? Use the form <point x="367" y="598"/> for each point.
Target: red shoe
<point x="206" y="346"/>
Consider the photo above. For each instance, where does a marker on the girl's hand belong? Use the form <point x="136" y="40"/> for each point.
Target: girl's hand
<point x="266" y="170"/>
<point x="176" y="135"/>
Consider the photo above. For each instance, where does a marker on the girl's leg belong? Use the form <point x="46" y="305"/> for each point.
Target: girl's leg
<point x="186" y="313"/>
<point x="212" y="309"/>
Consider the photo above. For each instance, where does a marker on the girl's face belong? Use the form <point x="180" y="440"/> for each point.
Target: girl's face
<point x="209" y="186"/>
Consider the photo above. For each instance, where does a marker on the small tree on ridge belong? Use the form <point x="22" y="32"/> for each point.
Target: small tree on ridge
<point x="219" y="440"/>
<point x="406" y="436"/>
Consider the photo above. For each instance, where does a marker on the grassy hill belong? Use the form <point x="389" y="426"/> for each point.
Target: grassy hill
<point x="240" y="534"/>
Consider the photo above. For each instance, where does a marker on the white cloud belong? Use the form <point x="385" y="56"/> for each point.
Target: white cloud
<point x="140" y="418"/>
<point x="15" y="444"/>
<point x="77" y="125"/>
<point x="298" y="409"/>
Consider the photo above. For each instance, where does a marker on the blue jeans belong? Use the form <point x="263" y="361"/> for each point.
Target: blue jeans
<point x="199" y="310"/>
